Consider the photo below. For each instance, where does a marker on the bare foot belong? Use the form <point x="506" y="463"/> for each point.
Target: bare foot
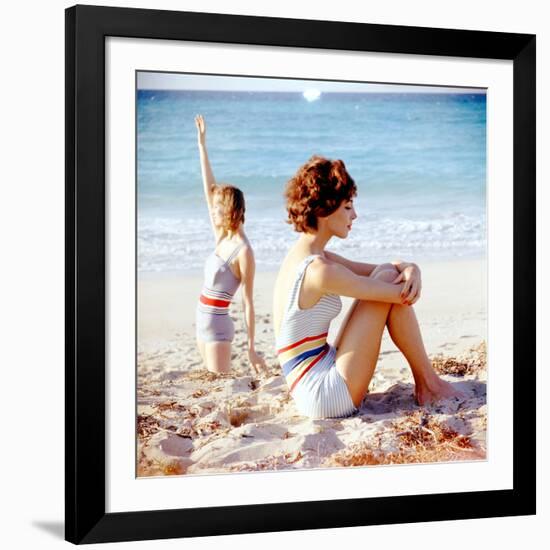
<point x="428" y="394"/>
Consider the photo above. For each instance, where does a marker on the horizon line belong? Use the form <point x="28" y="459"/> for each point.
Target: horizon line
<point x="455" y="91"/>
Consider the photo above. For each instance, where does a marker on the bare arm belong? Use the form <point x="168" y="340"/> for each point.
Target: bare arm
<point x="401" y="265"/>
<point x="359" y="268"/>
<point x="335" y="278"/>
<point x="409" y="273"/>
<point x="247" y="266"/>
<point x="208" y="180"/>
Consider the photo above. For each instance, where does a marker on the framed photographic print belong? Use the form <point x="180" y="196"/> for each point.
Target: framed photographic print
<point x="300" y="262"/>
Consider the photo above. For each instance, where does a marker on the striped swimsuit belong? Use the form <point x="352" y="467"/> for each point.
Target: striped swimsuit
<point x="212" y="316"/>
<point x="307" y="360"/>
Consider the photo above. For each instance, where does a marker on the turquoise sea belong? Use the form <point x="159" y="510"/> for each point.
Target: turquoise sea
<point x="418" y="159"/>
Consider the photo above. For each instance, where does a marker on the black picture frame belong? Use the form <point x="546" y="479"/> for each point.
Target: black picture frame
<point x="86" y="28"/>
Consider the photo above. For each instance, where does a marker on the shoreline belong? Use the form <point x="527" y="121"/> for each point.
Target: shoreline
<point x="427" y="260"/>
<point x="166" y="301"/>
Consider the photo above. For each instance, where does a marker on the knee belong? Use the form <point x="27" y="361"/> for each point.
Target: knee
<point x="385" y="272"/>
<point x="386" y="267"/>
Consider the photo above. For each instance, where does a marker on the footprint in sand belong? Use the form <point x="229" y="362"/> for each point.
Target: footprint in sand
<point x="174" y="445"/>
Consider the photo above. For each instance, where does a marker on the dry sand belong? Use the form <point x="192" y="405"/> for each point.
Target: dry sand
<point x="191" y="421"/>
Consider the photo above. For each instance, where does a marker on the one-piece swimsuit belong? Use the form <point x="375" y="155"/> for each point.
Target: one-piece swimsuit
<point x="213" y="323"/>
<point x="307" y="360"/>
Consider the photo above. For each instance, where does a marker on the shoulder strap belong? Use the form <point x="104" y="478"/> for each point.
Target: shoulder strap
<point x="233" y="254"/>
<point x="300" y="272"/>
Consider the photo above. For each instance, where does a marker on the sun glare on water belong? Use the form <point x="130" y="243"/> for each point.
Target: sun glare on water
<point x="312" y="95"/>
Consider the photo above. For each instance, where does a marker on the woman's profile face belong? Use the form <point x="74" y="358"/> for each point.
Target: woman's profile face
<point x="340" y="221"/>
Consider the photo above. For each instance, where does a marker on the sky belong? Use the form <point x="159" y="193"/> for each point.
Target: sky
<point x="176" y="81"/>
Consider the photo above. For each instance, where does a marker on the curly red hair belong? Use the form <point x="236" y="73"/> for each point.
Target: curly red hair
<point x="232" y="199"/>
<point x="317" y="189"/>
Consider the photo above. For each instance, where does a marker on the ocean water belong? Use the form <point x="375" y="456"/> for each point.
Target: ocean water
<point x="419" y="162"/>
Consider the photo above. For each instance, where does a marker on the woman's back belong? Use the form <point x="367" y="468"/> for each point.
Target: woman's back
<point x="301" y="339"/>
<point x="281" y="291"/>
<point x="307" y="296"/>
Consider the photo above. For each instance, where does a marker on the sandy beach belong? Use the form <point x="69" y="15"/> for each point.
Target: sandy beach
<point x="191" y="421"/>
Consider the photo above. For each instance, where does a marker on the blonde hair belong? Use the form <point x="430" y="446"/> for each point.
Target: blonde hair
<point x="232" y="200"/>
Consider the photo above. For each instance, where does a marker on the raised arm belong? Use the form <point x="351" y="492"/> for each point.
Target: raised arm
<point x="335" y="278"/>
<point x="209" y="183"/>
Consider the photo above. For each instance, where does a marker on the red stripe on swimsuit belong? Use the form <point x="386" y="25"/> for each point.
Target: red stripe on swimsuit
<point x="213" y="302"/>
<point x="306" y="339"/>
<point x="317" y="359"/>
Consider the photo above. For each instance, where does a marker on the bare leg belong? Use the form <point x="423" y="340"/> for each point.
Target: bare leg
<point x="200" y="345"/>
<point x="405" y="332"/>
<point x="216" y="355"/>
<point x="358" y="343"/>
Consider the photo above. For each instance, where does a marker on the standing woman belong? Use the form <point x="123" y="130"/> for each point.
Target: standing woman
<point x="331" y="380"/>
<point x="230" y="264"/>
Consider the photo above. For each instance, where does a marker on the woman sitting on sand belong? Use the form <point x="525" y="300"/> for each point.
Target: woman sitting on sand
<point x="214" y="327"/>
<point x="332" y="380"/>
